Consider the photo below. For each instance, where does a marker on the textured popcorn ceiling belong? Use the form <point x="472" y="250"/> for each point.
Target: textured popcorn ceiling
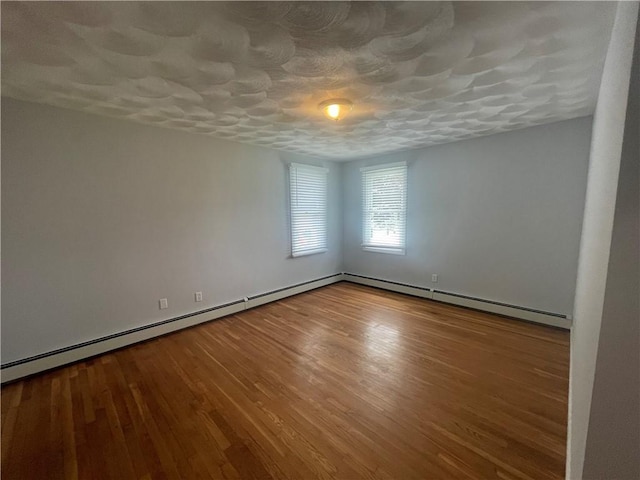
<point x="419" y="73"/>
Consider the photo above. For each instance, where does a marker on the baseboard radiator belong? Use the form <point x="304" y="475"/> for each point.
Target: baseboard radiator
<point x="514" y="311"/>
<point x="39" y="363"/>
<point x="15" y="370"/>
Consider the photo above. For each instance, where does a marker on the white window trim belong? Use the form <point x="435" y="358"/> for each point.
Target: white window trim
<point x="383" y="166"/>
<point x="393" y="250"/>
<point x="300" y="252"/>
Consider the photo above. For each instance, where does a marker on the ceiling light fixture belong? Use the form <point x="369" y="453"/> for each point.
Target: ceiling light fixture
<point x="336" y="108"/>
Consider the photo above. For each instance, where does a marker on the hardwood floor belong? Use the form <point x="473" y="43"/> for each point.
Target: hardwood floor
<point x="342" y="382"/>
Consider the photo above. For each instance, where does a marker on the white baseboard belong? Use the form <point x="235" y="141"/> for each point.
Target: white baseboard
<point x="74" y="354"/>
<point x="551" y="319"/>
<point x="388" y="285"/>
<point x="258" y="300"/>
<point x="521" y="313"/>
<point x="40" y="363"/>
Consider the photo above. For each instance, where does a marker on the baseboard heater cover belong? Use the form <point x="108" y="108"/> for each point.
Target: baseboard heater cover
<point x="389" y="285"/>
<point x="515" y="311"/>
<point x="45" y="361"/>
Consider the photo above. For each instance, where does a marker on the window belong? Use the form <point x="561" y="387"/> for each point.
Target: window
<point x="384" y="208"/>
<point x="308" y="188"/>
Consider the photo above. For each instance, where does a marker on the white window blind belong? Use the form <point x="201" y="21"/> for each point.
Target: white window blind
<point x="308" y="187"/>
<point x="384" y="208"/>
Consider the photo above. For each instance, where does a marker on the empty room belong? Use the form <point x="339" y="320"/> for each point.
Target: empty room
<point x="337" y="240"/>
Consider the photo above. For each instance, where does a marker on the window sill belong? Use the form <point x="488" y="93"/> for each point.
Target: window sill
<point x="309" y="252"/>
<point x="389" y="250"/>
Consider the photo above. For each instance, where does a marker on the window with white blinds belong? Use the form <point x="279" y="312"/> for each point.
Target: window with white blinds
<point x="384" y="208"/>
<point x="308" y="188"/>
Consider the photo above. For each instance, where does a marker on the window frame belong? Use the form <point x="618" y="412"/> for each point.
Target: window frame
<point x="367" y="244"/>
<point x="320" y="229"/>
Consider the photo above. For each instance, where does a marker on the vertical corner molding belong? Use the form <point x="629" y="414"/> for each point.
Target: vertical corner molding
<point x="605" y="160"/>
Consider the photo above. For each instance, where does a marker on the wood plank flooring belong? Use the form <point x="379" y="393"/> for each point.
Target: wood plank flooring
<point x="343" y="382"/>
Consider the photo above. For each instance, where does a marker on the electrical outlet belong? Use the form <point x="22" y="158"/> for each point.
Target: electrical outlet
<point x="164" y="303"/>
<point x="434" y="278"/>
<point x="198" y="296"/>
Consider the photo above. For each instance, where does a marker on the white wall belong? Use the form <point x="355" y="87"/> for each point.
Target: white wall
<point x="604" y="416"/>
<point x="496" y="217"/>
<point x="101" y="218"/>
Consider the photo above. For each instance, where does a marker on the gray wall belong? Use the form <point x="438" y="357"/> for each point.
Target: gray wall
<point x="101" y="218"/>
<point x="496" y="217"/>
<point x="604" y="400"/>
